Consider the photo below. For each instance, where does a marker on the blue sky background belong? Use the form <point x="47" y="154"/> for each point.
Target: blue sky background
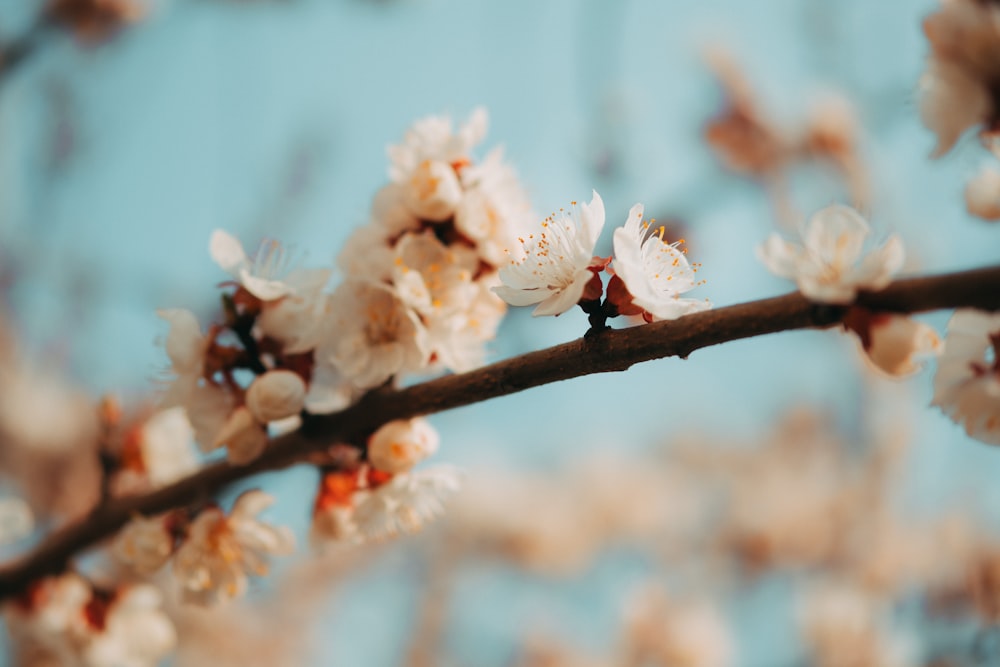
<point x="272" y="118"/>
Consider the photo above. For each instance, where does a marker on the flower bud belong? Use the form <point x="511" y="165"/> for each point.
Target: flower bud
<point x="401" y="444"/>
<point x="276" y="395"/>
<point x="243" y="436"/>
<point x="433" y="191"/>
<point x="897" y="343"/>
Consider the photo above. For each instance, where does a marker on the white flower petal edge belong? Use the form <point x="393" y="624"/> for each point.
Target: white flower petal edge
<point x="831" y="266"/>
<point x="655" y="272"/>
<point x="259" y="276"/>
<point x="551" y="268"/>
<point x="967" y="383"/>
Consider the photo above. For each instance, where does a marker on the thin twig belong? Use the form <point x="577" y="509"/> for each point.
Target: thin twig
<point x="611" y="350"/>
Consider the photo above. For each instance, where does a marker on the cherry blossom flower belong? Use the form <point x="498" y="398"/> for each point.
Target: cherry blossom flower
<point x="275" y="395"/>
<point x="263" y="276"/>
<point x="427" y="161"/>
<point x="433" y="138"/>
<point x="832" y="266"/>
<point x="220" y="551"/>
<point x="369" y="251"/>
<point x="135" y="631"/>
<point x="296" y="320"/>
<point x="401" y="444"/>
<point x="967" y="383"/>
<point x="893" y="344"/>
<point x="372" y="334"/>
<point x="959" y="87"/>
<point x="654" y="272"/>
<point x="457" y="341"/>
<point x="432" y="278"/>
<point x="553" y="267"/>
<point x="207" y="406"/>
<point x="74" y="624"/>
<point x="155" y="453"/>
<point x="494" y="210"/>
<point x="144" y="544"/>
<point x="406" y="503"/>
<point x="243" y="436"/>
<point x="370" y="505"/>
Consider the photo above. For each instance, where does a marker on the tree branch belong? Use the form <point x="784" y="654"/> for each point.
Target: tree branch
<point x="611" y="350"/>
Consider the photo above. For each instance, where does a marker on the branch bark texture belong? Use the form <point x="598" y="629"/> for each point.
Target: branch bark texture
<point x="607" y="351"/>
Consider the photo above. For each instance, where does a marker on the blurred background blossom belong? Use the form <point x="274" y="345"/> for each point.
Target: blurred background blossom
<point x="695" y="512"/>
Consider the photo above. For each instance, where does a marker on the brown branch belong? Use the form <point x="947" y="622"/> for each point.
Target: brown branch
<point x="611" y="350"/>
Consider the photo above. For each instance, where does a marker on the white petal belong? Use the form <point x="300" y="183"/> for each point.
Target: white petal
<point x="227" y="252"/>
<point x="566" y="298"/>
<point x="836" y="234"/>
<point x="780" y="257"/>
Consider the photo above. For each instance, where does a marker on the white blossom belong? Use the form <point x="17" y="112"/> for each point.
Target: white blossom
<point x="832" y="266"/>
<point x="432" y="278"/>
<point x="136" y="632"/>
<point x="401" y="444"/>
<point x="207" y="406"/>
<point x="296" y="320"/>
<point x="433" y="138"/>
<point x="967" y="383"/>
<point x="551" y="267"/>
<point x="404" y="504"/>
<point x="458" y="341"/>
<point x="654" y="272"/>
<point x="220" y="551"/>
<point x="426" y="164"/>
<point x="265" y="276"/>
<point x="494" y="210"/>
<point x="959" y="87"/>
<point x="144" y="544"/>
<point x="78" y="626"/>
<point x="897" y="344"/>
<point x="275" y="395"/>
<point x="243" y="436"/>
<point x="165" y="442"/>
<point x="432" y="191"/>
<point x="368" y="252"/>
<point x="372" y="334"/>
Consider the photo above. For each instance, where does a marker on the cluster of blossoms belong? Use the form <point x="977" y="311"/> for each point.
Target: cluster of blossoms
<point x="65" y="620"/>
<point x="554" y="267"/>
<point x="416" y="298"/>
<point x="833" y="266"/>
<point x="961" y="86"/>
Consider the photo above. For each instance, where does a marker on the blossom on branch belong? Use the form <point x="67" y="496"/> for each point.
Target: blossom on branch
<point x="967" y="383"/>
<point x="962" y="80"/>
<point x="68" y="621"/>
<point x="220" y="551"/>
<point x="832" y="265"/>
<point x="372" y="334"/>
<point x="654" y="273"/>
<point x="401" y="444"/>
<point x="552" y="268"/>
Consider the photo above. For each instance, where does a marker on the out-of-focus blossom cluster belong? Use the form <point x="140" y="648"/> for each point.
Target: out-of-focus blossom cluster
<point x="749" y="142"/>
<point x="960" y="88"/>
<point x="67" y="621"/>
<point x="865" y="582"/>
